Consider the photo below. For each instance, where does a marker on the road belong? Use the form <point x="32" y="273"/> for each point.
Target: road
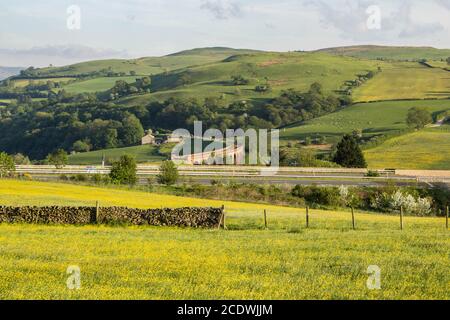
<point x="258" y="175"/>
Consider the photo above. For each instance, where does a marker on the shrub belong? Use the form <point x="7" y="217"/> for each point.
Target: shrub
<point x="20" y="159"/>
<point x="81" y="146"/>
<point x="239" y="80"/>
<point x="318" y="196"/>
<point x="7" y="166"/>
<point x="79" y="178"/>
<point x="97" y="178"/>
<point x="373" y="174"/>
<point x="124" y="171"/>
<point x="168" y="173"/>
<point x="263" y="88"/>
<point x="393" y="202"/>
<point x="58" y="158"/>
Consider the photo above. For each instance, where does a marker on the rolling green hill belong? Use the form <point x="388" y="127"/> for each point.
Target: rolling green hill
<point x="146" y="65"/>
<point x="398" y="80"/>
<point x="390" y="53"/>
<point x="280" y="70"/>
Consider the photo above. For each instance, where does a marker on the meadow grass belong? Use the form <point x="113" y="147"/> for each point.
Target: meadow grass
<point x="439" y="64"/>
<point x="146" y="153"/>
<point x="97" y="84"/>
<point x="287" y="261"/>
<point x="427" y="149"/>
<point x="405" y="81"/>
<point x="20" y="83"/>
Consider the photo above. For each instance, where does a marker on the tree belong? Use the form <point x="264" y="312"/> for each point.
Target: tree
<point x="263" y="88"/>
<point x="7" y="166"/>
<point x="20" y="159"/>
<point x="168" y="173"/>
<point x="349" y="154"/>
<point x="81" y="146"/>
<point x="448" y="60"/>
<point x="239" y="80"/>
<point x="132" y="130"/>
<point x="308" y="141"/>
<point x="418" y="118"/>
<point x="58" y="158"/>
<point x="124" y="171"/>
<point x="316" y="88"/>
<point x="184" y="79"/>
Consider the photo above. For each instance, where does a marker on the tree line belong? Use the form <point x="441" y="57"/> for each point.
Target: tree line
<point x="39" y="128"/>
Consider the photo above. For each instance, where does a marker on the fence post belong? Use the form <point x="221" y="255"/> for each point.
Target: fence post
<point x="446" y="217"/>
<point x="265" y="218"/>
<point x="401" y="218"/>
<point x="222" y="219"/>
<point x="97" y="210"/>
<point x="353" y="219"/>
<point x="307" y="217"/>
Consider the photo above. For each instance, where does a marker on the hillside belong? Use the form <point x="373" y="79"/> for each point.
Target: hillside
<point x="245" y="88"/>
<point x="390" y="53"/>
<point x="429" y="149"/>
<point x="380" y="118"/>
<point x="405" y="80"/>
<point x="281" y="71"/>
<point x="145" y="65"/>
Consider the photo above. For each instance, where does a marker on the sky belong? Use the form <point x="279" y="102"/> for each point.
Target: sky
<point x="60" y="32"/>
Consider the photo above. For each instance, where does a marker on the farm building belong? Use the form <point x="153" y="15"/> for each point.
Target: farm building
<point x="149" y="138"/>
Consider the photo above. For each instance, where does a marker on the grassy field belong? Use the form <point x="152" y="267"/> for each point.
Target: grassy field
<point x="20" y="83"/>
<point x="97" y="84"/>
<point x="327" y="261"/>
<point x="427" y="149"/>
<point x="141" y="153"/>
<point x="373" y="118"/>
<point x="439" y="64"/>
<point x="405" y="81"/>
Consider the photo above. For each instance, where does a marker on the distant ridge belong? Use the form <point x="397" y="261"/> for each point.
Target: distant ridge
<point x="214" y="50"/>
<point x="389" y="52"/>
<point x="6" y="72"/>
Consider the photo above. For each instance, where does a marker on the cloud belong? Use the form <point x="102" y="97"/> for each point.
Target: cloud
<point x="444" y="3"/>
<point x="67" y="51"/>
<point x="397" y="20"/>
<point x="57" y="55"/>
<point x="222" y="9"/>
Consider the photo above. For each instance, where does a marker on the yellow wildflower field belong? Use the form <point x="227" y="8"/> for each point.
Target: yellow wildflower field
<point x="327" y="261"/>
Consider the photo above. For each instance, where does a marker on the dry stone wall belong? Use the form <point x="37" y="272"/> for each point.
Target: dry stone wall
<point x="181" y="217"/>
